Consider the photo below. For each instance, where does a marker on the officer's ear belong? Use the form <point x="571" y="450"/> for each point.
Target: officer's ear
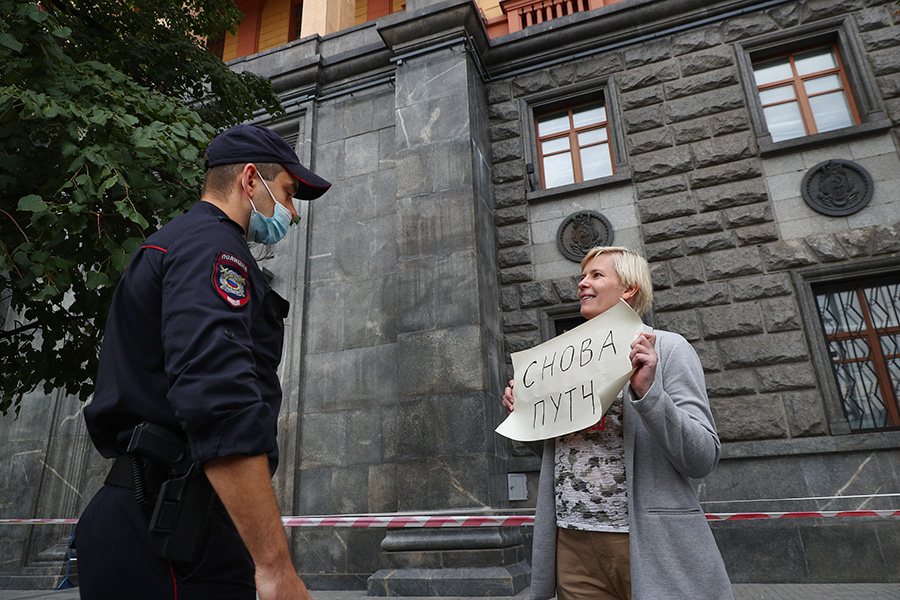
<point x="247" y="179"/>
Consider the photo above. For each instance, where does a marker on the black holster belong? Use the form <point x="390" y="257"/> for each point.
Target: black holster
<point x="179" y="524"/>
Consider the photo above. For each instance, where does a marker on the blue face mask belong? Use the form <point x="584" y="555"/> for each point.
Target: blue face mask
<point x="268" y="230"/>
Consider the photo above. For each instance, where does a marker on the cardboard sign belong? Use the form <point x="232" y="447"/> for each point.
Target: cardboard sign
<point x="568" y="383"/>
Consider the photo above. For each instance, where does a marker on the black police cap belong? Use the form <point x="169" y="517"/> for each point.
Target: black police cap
<point x="252" y="144"/>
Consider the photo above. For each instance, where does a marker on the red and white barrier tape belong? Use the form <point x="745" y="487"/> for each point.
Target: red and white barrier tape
<point x="492" y="521"/>
<point x="38" y="521"/>
<point x="410" y="521"/>
<point x="801" y="515"/>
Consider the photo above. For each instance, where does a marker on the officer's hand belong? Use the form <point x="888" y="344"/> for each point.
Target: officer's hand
<point x="283" y="584"/>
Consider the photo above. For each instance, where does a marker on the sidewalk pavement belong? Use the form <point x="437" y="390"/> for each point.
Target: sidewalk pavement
<point x="742" y="591"/>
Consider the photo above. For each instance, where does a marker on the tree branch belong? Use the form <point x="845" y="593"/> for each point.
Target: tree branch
<point x="11" y="218"/>
<point x="4" y="335"/>
<point x="11" y="261"/>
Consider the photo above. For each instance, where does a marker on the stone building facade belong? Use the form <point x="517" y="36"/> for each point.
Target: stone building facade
<point x="438" y="253"/>
<point x="735" y="252"/>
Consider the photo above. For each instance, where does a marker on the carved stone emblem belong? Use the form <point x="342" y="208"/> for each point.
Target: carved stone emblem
<point x="837" y="187"/>
<point x="581" y="231"/>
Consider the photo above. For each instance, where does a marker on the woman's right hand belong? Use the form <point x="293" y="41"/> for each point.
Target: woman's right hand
<point x="508" y="399"/>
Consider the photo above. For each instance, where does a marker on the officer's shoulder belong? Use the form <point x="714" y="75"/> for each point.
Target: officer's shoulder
<point x="197" y="230"/>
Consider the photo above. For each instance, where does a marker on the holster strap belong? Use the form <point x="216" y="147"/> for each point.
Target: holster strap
<point x="121" y="474"/>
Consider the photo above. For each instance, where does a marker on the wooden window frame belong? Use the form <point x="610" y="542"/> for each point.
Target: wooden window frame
<point x="572" y="133"/>
<point x="815" y="280"/>
<point x="600" y="89"/>
<point x="861" y="88"/>
<point x="295" y="20"/>
<point x="216" y="46"/>
<point x="797" y="83"/>
<point x="871" y="335"/>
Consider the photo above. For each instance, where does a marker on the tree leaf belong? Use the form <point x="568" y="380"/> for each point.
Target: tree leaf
<point x="141" y="101"/>
<point x="96" y="279"/>
<point x="33" y="203"/>
<point x="10" y="42"/>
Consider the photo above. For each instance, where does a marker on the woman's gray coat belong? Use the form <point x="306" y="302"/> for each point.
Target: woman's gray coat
<point x="670" y="437"/>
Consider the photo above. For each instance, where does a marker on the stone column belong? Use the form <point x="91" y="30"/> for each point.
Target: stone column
<point x="326" y="16"/>
<point x="52" y="471"/>
<point x="448" y="322"/>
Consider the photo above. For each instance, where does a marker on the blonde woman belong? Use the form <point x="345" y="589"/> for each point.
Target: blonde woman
<point x="617" y="517"/>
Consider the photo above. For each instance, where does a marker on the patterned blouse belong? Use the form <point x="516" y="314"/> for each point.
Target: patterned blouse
<point x="590" y="476"/>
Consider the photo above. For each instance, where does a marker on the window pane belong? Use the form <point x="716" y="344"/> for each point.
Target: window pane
<point x="593" y="136"/>
<point x="558" y="170"/>
<point x="831" y="111"/>
<point x="853" y="350"/>
<point x="596" y="161"/>
<point x="858" y="384"/>
<point x="822" y="84"/>
<point x="784" y="121"/>
<point x="864" y="347"/>
<point x="298" y="19"/>
<point x="772" y="70"/>
<point x="890" y="346"/>
<point x="840" y="312"/>
<point x="554" y="123"/>
<point x="830" y="311"/>
<point x="589" y="115"/>
<point x="553" y="146"/>
<point x="884" y="304"/>
<point x="814" y="61"/>
<point x="779" y="94"/>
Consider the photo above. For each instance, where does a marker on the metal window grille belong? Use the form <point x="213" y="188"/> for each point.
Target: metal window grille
<point x="862" y="328"/>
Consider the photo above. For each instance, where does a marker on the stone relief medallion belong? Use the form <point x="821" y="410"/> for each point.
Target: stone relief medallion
<point x="837" y="187"/>
<point x="581" y="231"/>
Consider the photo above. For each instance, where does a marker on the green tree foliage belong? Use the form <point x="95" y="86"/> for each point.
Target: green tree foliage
<point x="105" y="108"/>
<point x="160" y="44"/>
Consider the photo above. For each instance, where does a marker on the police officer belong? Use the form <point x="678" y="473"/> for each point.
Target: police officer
<point x="192" y="343"/>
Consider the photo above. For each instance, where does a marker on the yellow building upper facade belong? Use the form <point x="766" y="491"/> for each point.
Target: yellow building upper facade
<point x="271" y="23"/>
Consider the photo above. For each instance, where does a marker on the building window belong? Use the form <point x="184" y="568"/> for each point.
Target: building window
<point x="573" y="139"/>
<point x="574" y="145"/>
<point x="804" y="93"/>
<point x="567" y="323"/>
<point x="861" y="323"/>
<point x="216" y="46"/>
<point x="296" y="19"/>
<point x="810" y="84"/>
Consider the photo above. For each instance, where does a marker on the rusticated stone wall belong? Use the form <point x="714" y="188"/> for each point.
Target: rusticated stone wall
<point x="715" y="222"/>
<point x="732" y="247"/>
<point x="432" y="250"/>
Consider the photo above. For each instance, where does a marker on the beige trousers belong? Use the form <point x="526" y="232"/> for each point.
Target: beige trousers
<point x="592" y="565"/>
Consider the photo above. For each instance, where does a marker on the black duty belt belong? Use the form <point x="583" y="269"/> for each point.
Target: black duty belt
<point x="122" y="473"/>
<point x="157" y="468"/>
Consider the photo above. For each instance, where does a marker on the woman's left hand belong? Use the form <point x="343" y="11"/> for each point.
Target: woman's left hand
<point x="644" y="359"/>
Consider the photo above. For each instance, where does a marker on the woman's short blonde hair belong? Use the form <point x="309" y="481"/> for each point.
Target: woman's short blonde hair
<point x="632" y="269"/>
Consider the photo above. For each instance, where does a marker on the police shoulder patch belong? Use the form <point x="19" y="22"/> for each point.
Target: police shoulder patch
<point x="229" y="278"/>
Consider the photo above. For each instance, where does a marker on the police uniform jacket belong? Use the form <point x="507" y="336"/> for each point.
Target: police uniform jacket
<point x="192" y="343"/>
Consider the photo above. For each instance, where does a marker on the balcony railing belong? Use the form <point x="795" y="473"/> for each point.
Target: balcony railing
<point x="519" y="14"/>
